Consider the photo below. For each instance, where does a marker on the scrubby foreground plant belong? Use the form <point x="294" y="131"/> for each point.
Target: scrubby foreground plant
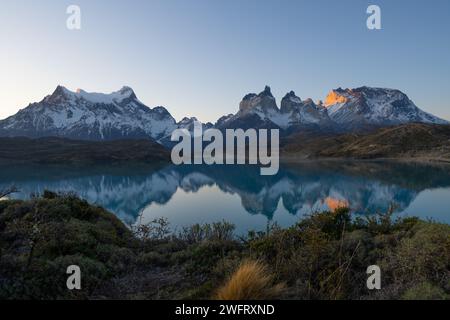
<point x="251" y="281"/>
<point x="323" y="256"/>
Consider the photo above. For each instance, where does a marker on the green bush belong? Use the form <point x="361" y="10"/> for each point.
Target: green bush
<point x="323" y="256"/>
<point x="425" y="291"/>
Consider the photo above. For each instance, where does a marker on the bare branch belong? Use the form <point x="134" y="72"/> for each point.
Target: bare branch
<point x="8" y="191"/>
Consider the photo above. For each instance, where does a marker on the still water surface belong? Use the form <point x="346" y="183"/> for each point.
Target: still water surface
<point x="200" y="194"/>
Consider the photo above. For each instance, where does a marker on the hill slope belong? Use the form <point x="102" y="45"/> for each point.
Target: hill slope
<point x="60" y="150"/>
<point x="419" y="141"/>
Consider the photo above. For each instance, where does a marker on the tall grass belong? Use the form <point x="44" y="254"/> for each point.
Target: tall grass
<point x="251" y="281"/>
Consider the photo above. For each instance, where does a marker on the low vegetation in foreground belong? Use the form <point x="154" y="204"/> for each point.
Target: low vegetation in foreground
<point x="324" y="256"/>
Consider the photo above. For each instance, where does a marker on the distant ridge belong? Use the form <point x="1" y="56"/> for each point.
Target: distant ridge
<point x="83" y="115"/>
<point x="413" y="141"/>
<point x="51" y="150"/>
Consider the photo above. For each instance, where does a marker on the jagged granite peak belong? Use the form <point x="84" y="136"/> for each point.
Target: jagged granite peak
<point x="290" y="102"/>
<point x="303" y="112"/>
<point x="267" y="92"/>
<point x="187" y="119"/>
<point x="264" y="102"/>
<point x="126" y="89"/>
<point x="249" y="96"/>
<point x="188" y="123"/>
<point x="255" y="111"/>
<point x="222" y="120"/>
<point x="261" y="111"/>
<point x="364" y="106"/>
<point x="161" y="110"/>
<point x="310" y="102"/>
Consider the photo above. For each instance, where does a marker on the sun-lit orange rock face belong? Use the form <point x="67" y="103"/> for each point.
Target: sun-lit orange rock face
<point x="334" y="204"/>
<point x="334" y="97"/>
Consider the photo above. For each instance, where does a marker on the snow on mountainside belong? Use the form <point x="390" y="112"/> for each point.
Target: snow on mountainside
<point x="261" y="111"/>
<point x="119" y="115"/>
<point x="374" y="106"/>
<point x="303" y="112"/>
<point x="188" y="123"/>
<point x="343" y="110"/>
<point x="90" y="116"/>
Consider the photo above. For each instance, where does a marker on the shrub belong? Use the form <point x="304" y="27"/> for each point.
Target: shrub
<point x="324" y="256"/>
<point x="423" y="254"/>
<point x="218" y="231"/>
<point x="157" y="229"/>
<point x="425" y="291"/>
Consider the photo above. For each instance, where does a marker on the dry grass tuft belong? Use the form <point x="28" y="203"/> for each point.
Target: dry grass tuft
<point x="251" y="281"/>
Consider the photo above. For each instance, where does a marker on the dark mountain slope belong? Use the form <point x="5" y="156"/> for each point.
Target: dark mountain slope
<point x="419" y="141"/>
<point x="60" y="150"/>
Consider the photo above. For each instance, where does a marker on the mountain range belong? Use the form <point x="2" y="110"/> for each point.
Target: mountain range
<point x="120" y="115"/>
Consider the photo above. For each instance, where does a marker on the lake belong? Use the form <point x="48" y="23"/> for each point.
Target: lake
<point x="238" y="194"/>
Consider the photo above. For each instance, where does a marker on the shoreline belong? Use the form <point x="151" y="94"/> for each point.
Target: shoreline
<point x="292" y="159"/>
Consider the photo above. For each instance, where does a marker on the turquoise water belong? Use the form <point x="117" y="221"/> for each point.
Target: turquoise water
<point x="199" y="194"/>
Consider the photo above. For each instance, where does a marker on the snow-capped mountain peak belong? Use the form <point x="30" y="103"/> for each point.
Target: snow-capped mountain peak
<point x="374" y="106"/>
<point x="188" y="123"/>
<point x="63" y="94"/>
<point x="89" y="115"/>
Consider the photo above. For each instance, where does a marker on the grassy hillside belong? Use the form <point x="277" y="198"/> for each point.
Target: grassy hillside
<point x="324" y="256"/>
<point x="59" y="150"/>
<point x="418" y="141"/>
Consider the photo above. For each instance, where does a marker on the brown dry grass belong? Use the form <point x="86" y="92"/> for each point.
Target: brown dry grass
<point x="251" y="281"/>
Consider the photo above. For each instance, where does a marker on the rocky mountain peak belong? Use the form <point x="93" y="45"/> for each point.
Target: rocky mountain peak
<point x="336" y="96"/>
<point x="60" y="90"/>
<point x="126" y="91"/>
<point x="368" y="106"/>
<point x="59" y="95"/>
<point x="291" y="95"/>
<point x="290" y="102"/>
<point x="263" y="102"/>
<point x="266" y="92"/>
<point x="187" y="120"/>
<point x="249" y="96"/>
<point x="161" y="110"/>
<point x="309" y="101"/>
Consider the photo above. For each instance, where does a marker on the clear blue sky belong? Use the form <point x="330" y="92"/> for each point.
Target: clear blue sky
<point x="200" y="57"/>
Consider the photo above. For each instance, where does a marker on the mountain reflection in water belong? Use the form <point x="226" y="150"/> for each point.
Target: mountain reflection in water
<point x="198" y="194"/>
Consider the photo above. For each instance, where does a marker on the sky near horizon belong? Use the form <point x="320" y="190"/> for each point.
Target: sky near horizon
<point x="200" y="57"/>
